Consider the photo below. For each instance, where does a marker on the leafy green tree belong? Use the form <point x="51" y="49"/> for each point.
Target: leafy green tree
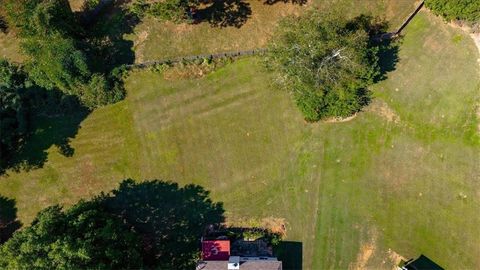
<point x="468" y="10"/>
<point x="82" y="237"/>
<point x="56" y="62"/>
<point x="13" y="112"/>
<point x="326" y="62"/>
<point x="57" y="50"/>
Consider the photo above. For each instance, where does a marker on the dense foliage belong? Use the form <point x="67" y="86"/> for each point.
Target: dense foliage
<point x="468" y="10"/>
<point x="169" y="218"/>
<point x="82" y="237"/>
<point x="13" y="112"/>
<point x="57" y="54"/>
<point x="153" y="224"/>
<point x="170" y="10"/>
<point x="326" y="62"/>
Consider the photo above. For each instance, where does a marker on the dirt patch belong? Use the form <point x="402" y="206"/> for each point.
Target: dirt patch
<point x="340" y="119"/>
<point x="394" y="258"/>
<point x="382" y="109"/>
<point x="365" y="253"/>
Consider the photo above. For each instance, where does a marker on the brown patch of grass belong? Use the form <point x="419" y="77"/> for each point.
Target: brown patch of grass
<point x="382" y="109"/>
<point x="366" y="252"/>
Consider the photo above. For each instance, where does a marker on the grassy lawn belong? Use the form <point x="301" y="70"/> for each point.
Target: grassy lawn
<point x="159" y="40"/>
<point x="391" y="181"/>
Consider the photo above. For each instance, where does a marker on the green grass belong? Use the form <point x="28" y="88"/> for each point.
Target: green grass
<point x="158" y="40"/>
<point x="343" y="188"/>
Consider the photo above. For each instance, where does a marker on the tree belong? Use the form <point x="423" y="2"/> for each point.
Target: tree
<point x="169" y="218"/>
<point x="326" y="62"/>
<point x="152" y="224"/>
<point x="468" y="10"/>
<point x="13" y="112"/>
<point x="57" y="50"/>
<point x="82" y="237"/>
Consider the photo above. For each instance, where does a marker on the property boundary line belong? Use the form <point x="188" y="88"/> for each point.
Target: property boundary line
<point x="385" y="36"/>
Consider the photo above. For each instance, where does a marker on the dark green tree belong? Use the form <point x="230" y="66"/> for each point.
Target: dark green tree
<point x="13" y="112"/>
<point x="169" y="218"/>
<point x="468" y="10"/>
<point x="326" y="62"/>
<point x="82" y="237"/>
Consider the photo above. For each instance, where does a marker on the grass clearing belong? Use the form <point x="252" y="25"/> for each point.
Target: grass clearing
<point x="350" y="192"/>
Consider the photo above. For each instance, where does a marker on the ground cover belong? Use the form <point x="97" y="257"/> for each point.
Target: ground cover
<point x="401" y="177"/>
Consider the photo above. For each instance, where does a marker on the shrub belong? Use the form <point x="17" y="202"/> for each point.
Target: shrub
<point x="468" y="10"/>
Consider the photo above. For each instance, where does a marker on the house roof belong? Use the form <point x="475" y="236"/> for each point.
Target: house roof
<point x="215" y="250"/>
<point x="247" y="265"/>
<point x="423" y="263"/>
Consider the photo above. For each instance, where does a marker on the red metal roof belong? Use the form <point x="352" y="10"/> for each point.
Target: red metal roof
<point x="216" y="250"/>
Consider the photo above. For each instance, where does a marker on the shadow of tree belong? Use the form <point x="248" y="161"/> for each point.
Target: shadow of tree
<point x="169" y="218"/>
<point x="54" y="119"/>
<point x="388" y="47"/>
<point x="388" y="57"/>
<point x="224" y="13"/>
<point x="296" y="2"/>
<point x="106" y="35"/>
<point x="8" y="218"/>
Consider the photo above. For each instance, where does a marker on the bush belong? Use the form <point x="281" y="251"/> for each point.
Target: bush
<point x="168" y="10"/>
<point x="326" y="62"/>
<point x="468" y="10"/>
<point x="99" y="92"/>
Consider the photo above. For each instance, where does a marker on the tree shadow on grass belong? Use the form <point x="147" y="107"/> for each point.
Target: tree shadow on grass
<point x="54" y="120"/>
<point x="388" y="57"/>
<point x="8" y="219"/>
<point x="387" y="44"/>
<point x="224" y="13"/>
<point x="106" y="32"/>
<point x="169" y="218"/>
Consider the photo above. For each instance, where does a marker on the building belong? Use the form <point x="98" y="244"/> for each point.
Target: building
<point x="241" y="255"/>
<point x="422" y="263"/>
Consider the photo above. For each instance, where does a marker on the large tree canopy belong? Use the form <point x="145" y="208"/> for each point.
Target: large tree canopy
<point x="153" y="224"/>
<point x="56" y="48"/>
<point x="13" y="114"/>
<point x="82" y="237"/>
<point x="325" y="61"/>
<point x="468" y="10"/>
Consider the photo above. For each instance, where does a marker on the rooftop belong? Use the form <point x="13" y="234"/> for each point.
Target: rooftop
<point x="246" y="265"/>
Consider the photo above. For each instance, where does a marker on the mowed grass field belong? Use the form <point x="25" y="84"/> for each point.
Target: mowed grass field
<point x="399" y="179"/>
